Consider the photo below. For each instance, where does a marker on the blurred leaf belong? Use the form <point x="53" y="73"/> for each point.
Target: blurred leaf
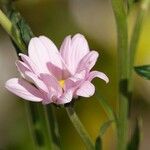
<point x="107" y="108"/>
<point x="103" y="129"/>
<point x="143" y="71"/>
<point x="135" y="139"/>
<point x="130" y="4"/>
<point x="98" y="143"/>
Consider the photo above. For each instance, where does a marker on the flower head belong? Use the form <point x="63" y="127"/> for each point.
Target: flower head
<point x="52" y="76"/>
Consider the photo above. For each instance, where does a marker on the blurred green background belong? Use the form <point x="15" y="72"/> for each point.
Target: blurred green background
<point x="56" y="19"/>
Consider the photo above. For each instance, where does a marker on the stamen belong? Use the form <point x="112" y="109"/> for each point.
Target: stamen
<point x="62" y="83"/>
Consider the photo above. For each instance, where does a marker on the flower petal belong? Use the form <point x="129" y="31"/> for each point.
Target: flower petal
<point x="87" y="89"/>
<point x="52" y="84"/>
<point x="29" y="63"/>
<point x="42" y="50"/>
<point x="22" y="67"/>
<point x="23" y="89"/>
<point x="36" y="81"/>
<point x="88" y="61"/>
<point x="73" y="50"/>
<point x="65" y="98"/>
<point x="101" y="75"/>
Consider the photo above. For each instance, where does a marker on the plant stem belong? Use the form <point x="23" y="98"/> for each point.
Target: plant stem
<point x="123" y="62"/>
<point x="80" y="128"/>
<point x="39" y="126"/>
<point x="135" y="38"/>
<point x="53" y="125"/>
<point x="8" y="26"/>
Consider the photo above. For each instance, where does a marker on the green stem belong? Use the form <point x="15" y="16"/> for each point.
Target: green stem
<point x="80" y="128"/>
<point x="123" y="62"/>
<point x="135" y="38"/>
<point x="8" y="26"/>
<point x="53" y="125"/>
<point x="39" y="126"/>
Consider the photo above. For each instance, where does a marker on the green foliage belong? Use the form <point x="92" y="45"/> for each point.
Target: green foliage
<point x="143" y="71"/>
<point x="107" y="108"/>
<point x="103" y="129"/>
<point x="20" y="28"/>
<point x="135" y="139"/>
<point x="98" y="143"/>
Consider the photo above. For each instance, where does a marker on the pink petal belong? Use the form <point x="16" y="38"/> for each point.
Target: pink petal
<point x="55" y="71"/>
<point x="75" y="81"/>
<point x="88" y="61"/>
<point x="36" y="81"/>
<point x="87" y="89"/>
<point x="52" y="84"/>
<point x="23" y="89"/>
<point x="65" y="98"/>
<point x="29" y="63"/>
<point x="69" y="83"/>
<point x="22" y="67"/>
<point x="42" y="50"/>
<point x="101" y="75"/>
<point x="72" y="51"/>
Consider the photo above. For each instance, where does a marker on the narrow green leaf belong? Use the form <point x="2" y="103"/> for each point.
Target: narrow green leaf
<point x="135" y="139"/>
<point x="104" y="127"/>
<point x="98" y="143"/>
<point x="107" y="108"/>
<point x="21" y="28"/>
<point x="143" y="71"/>
<point x="130" y="4"/>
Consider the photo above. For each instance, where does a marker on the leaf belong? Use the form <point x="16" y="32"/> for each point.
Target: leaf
<point x="130" y="4"/>
<point x="143" y="71"/>
<point x="24" y="30"/>
<point x="135" y="139"/>
<point x="107" y="108"/>
<point x="103" y="129"/>
<point x="98" y="143"/>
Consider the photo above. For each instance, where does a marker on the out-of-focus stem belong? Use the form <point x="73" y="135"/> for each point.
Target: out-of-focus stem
<point x="53" y="126"/>
<point x="39" y="126"/>
<point x="80" y="128"/>
<point x="135" y="38"/>
<point x="123" y="71"/>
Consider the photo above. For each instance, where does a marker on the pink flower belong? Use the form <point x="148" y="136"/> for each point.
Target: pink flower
<point x="52" y="76"/>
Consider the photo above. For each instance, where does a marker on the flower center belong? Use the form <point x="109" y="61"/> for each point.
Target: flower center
<point x="61" y="83"/>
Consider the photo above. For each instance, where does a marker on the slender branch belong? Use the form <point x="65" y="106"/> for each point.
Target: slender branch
<point x="123" y="62"/>
<point x="80" y="128"/>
